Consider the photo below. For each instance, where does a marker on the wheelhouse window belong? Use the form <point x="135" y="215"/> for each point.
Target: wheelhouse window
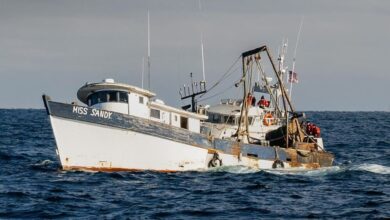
<point x="184" y="122"/>
<point x="154" y="113"/>
<point x="102" y="97"/>
<point x="218" y="118"/>
<point x="141" y="100"/>
<point x="214" y="118"/>
<point x="123" y="97"/>
<point x="107" y="96"/>
<point x="229" y="119"/>
<point x="112" y="97"/>
<point x="250" y="120"/>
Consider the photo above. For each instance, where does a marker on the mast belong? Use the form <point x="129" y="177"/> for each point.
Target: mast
<point x="282" y="68"/>
<point x="148" y="50"/>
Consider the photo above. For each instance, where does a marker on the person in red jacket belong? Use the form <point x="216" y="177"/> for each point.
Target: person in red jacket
<point x="263" y="102"/>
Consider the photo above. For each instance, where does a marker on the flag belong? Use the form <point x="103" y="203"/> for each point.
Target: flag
<point x="292" y="77"/>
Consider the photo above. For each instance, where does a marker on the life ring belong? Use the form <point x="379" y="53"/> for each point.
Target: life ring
<point x="268" y="119"/>
<point x="215" y="161"/>
<point x="278" y="164"/>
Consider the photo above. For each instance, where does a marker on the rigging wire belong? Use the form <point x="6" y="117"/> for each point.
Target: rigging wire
<point x="216" y="94"/>
<point x="206" y="98"/>
<point x="224" y="76"/>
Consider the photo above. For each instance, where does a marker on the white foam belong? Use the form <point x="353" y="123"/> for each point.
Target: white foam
<point x="43" y="163"/>
<point x="233" y="169"/>
<point x="305" y="172"/>
<point x="373" y="168"/>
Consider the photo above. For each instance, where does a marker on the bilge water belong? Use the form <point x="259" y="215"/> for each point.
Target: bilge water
<point x="32" y="184"/>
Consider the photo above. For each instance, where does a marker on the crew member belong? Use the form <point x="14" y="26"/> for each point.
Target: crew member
<point x="262" y="103"/>
<point x="254" y="101"/>
<point x="249" y="99"/>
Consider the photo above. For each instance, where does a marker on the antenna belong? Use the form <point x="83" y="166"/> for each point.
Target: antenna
<point x="143" y="71"/>
<point x="201" y="43"/>
<point x="148" y="50"/>
<point x="282" y="54"/>
<point x="295" y="53"/>
<point x="195" y="90"/>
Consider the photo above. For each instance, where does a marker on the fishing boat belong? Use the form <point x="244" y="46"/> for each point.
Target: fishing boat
<point x="121" y="127"/>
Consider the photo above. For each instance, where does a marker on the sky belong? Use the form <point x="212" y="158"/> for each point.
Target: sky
<point x="55" y="47"/>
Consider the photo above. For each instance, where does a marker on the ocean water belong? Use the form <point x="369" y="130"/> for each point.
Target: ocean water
<point x="32" y="185"/>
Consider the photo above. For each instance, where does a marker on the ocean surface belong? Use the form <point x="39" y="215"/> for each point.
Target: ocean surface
<point x="32" y="185"/>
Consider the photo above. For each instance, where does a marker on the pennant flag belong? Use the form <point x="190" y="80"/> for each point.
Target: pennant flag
<point x="292" y="77"/>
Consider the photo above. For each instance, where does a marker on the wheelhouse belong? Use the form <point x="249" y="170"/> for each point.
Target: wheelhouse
<point x="117" y="97"/>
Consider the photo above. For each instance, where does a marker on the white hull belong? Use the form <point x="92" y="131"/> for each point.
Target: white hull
<point x="83" y="145"/>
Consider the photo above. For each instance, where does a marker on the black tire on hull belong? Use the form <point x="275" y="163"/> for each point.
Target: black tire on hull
<point x="215" y="161"/>
<point x="278" y="164"/>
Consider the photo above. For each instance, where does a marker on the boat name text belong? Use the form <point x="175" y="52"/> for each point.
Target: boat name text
<point x="94" y="112"/>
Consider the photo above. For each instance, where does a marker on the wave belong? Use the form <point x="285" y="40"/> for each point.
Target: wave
<point x="45" y="165"/>
<point x="305" y="172"/>
<point x="373" y="168"/>
<point x="232" y="169"/>
<point x="284" y="171"/>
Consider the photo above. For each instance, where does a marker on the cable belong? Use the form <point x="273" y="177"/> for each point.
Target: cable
<point x="216" y="94"/>
<point x="225" y="75"/>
